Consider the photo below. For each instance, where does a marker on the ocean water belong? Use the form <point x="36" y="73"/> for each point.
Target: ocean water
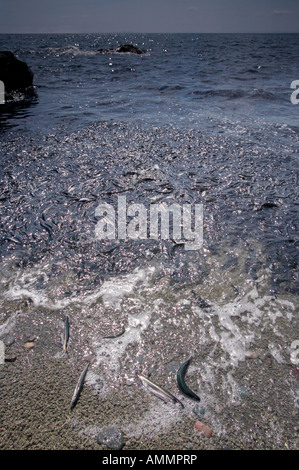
<point x="197" y="119"/>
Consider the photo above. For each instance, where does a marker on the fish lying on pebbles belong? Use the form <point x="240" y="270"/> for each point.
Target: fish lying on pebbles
<point x="79" y="386"/>
<point x="158" y="391"/>
<point x="117" y="335"/>
<point x="66" y="333"/>
<point x="181" y="381"/>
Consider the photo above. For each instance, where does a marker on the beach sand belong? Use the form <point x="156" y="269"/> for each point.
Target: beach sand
<point x="38" y="384"/>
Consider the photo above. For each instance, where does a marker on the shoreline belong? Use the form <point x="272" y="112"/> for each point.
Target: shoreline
<point x="36" y="391"/>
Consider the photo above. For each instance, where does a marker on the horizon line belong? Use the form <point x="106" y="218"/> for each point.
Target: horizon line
<point x="161" y="32"/>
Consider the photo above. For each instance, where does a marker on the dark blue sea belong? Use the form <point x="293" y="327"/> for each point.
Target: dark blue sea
<point x="195" y="119"/>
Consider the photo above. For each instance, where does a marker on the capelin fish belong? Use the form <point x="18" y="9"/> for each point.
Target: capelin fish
<point x="66" y="333"/>
<point x="79" y="386"/>
<point x="158" y="391"/>
<point x="117" y="335"/>
<point x="181" y="381"/>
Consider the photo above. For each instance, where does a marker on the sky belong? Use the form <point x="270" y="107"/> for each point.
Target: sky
<point x="149" y="16"/>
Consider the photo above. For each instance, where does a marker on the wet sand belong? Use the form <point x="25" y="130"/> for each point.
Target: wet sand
<point x="37" y="387"/>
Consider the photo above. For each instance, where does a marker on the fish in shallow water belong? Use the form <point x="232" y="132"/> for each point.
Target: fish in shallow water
<point x="181" y="381"/>
<point x="158" y="391"/>
<point x="66" y="333"/>
<point x="79" y="386"/>
<point x="117" y="335"/>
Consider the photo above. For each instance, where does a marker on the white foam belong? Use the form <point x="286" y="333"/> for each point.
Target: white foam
<point x="156" y="420"/>
<point x="7" y="326"/>
<point x="229" y="329"/>
<point x="111" y="291"/>
<point x="110" y="351"/>
<point x="235" y="337"/>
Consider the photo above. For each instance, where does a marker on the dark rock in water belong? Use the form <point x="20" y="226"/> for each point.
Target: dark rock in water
<point x="129" y="48"/>
<point x="112" y="437"/>
<point x="126" y="48"/>
<point x="14" y="73"/>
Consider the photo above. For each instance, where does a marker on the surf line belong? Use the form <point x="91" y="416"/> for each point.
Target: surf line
<point x="186" y="226"/>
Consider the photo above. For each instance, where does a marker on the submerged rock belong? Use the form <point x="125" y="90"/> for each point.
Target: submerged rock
<point x="14" y="73"/>
<point x="112" y="437"/>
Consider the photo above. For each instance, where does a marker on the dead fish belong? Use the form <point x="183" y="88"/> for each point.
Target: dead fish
<point x="66" y="333"/>
<point x="115" y="336"/>
<point x="13" y="240"/>
<point x="203" y="304"/>
<point x="158" y="391"/>
<point x="79" y="386"/>
<point x="181" y="381"/>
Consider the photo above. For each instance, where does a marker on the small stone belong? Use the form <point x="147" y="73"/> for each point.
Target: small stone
<point x="9" y="340"/>
<point x="140" y="359"/>
<point x="295" y="372"/>
<point x="10" y="358"/>
<point x="244" y="392"/>
<point x="251" y="355"/>
<point x="203" y="429"/>
<point x="199" y="410"/>
<point x="29" y="345"/>
<point x="112" y="437"/>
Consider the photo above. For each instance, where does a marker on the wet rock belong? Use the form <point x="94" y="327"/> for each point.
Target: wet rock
<point x="203" y="429"/>
<point x="295" y="372"/>
<point x="199" y="410"/>
<point x="14" y="73"/>
<point x="251" y="354"/>
<point x="112" y="437"/>
<point x="8" y="340"/>
<point x="129" y="48"/>
<point x="124" y="48"/>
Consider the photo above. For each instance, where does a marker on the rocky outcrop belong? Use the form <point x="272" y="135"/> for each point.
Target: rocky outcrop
<point x="124" y="48"/>
<point x="15" y="74"/>
<point x="129" y="48"/>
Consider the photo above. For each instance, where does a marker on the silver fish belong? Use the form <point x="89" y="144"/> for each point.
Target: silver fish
<point x="66" y="333"/>
<point x="116" y="335"/>
<point x="79" y="386"/>
<point x="159" y="391"/>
